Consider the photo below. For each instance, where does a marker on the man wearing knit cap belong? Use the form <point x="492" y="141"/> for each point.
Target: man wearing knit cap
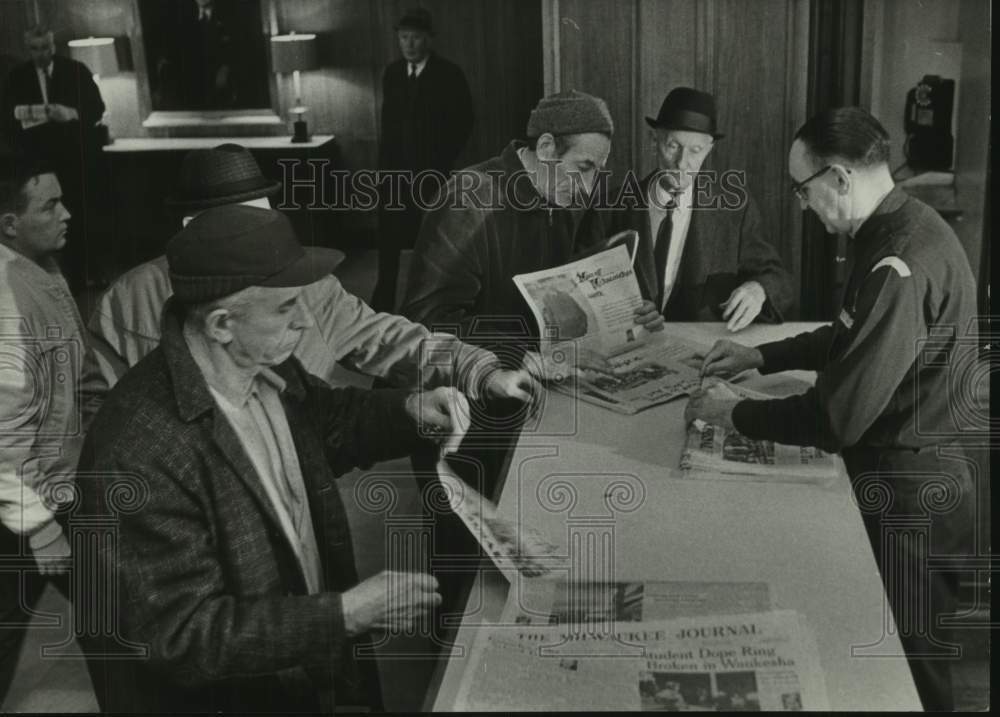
<point x="233" y="563"/>
<point x="702" y="254"/>
<point x="512" y="214"/>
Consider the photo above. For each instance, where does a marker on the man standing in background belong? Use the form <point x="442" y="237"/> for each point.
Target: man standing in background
<point x="427" y="118"/>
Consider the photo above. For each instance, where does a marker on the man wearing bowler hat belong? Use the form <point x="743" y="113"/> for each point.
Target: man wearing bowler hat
<point x="427" y="118"/>
<point x="702" y="255"/>
<point x="125" y="325"/>
<point x="232" y="562"/>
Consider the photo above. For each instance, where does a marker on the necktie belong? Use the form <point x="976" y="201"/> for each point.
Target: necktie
<point x="662" y="248"/>
<point x="48" y="86"/>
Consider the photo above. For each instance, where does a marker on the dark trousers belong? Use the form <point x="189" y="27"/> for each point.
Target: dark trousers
<point x="397" y="230"/>
<point x="918" y="509"/>
<point x="21" y="585"/>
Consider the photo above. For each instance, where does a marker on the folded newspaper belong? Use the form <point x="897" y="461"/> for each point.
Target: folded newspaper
<point x="513" y="548"/>
<point x="558" y="602"/>
<point x="587" y="308"/>
<point x="715" y="452"/>
<point x="764" y="661"/>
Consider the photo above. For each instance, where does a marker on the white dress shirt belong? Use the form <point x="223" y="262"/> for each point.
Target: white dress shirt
<point x="410" y="71"/>
<point x="41" y="81"/>
<point x="681" y="218"/>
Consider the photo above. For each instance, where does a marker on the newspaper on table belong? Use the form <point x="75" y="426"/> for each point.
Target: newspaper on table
<point x="514" y="549"/>
<point x="587" y="308"/>
<point x="755" y="661"/>
<point x="558" y="602"/>
<point x="715" y="452"/>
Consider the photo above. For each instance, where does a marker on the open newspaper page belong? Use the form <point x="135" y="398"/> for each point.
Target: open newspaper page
<point x="587" y="307"/>
<point x="514" y="549"/>
<point x="716" y="452"/>
<point x="757" y="661"/>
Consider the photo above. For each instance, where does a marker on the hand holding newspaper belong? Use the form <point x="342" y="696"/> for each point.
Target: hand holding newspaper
<point x="591" y="346"/>
<point x="716" y="452"/>
<point x="513" y="548"/>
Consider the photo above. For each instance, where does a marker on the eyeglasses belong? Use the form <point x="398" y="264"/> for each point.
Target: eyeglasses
<point x="799" y="188"/>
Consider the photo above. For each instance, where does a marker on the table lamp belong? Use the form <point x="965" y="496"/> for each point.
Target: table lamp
<point x="295" y="53"/>
<point x="98" y="54"/>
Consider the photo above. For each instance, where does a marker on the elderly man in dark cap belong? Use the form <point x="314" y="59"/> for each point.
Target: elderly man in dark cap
<point x="125" y="325"/>
<point x="702" y="254"/>
<point x="234" y="566"/>
<point x="513" y="214"/>
<point x="427" y="118"/>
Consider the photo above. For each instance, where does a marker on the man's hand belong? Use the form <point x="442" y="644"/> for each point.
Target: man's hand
<point x="648" y="317"/>
<point x="520" y="385"/>
<point x="703" y="406"/>
<point x="53" y="558"/>
<point x="743" y="305"/>
<point x="728" y="358"/>
<point x="439" y="412"/>
<point x="391" y="600"/>
<point x="61" y="113"/>
<point x="557" y="367"/>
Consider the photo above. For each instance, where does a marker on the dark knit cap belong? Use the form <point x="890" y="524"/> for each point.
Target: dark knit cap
<point x="570" y="112"/>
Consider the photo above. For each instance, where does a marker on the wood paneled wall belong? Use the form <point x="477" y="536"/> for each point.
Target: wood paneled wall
<point x="497" y="43"/>
<point x="751" y="55"/>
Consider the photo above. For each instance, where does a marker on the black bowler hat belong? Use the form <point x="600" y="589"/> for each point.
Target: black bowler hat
<point x="688" y="109"/>
<point x="227" y="174"/>
<point x="416" y="18"/>
<point x="227" y="249"/>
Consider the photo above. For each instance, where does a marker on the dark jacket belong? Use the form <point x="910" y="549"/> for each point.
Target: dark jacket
<point x="894" y="367"/>
<point x="724" y="248"/>
<point x="468" y="251"/>
<point x="208" y="585"/>
<point x="72" y="85"/>
<point x="429" y="130"/>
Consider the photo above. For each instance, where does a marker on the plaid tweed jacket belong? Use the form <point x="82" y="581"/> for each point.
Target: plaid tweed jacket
<point x="210" y="594"/>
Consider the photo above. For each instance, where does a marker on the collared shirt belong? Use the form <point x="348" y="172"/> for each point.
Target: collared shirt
<point x="260" y="423"/>
<point x="418" y="65"/>
<point x="42" y="73"/>
<point x="40" y="428"/>
<point x="681" y="217"/>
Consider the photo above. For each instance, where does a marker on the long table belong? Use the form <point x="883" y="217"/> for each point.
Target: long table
<point x="582" y="465"/>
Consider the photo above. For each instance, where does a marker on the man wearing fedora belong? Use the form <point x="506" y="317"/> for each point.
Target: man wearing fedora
<point x="233" y="561"/>
<point x="427" y="118"/>
<point x="125" y="324"/>
<point x="702" y="255"/>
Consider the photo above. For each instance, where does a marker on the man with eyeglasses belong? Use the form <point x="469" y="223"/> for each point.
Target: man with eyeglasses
<point x="702" y="255"/>
<point x="893" y="370"/>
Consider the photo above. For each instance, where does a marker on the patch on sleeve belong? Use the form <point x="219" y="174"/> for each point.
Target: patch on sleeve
<point x="896" y="263"/>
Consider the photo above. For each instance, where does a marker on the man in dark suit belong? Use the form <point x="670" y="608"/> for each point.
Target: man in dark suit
<point x="236" y="578"/>
<point x="427" y="117"/>
<point x="51" y="109"/>
<point x="702" y="255"/>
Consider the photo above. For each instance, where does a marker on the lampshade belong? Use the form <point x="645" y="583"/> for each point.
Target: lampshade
<point x="293" y="52"/>
<point x="97" y="53"/>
